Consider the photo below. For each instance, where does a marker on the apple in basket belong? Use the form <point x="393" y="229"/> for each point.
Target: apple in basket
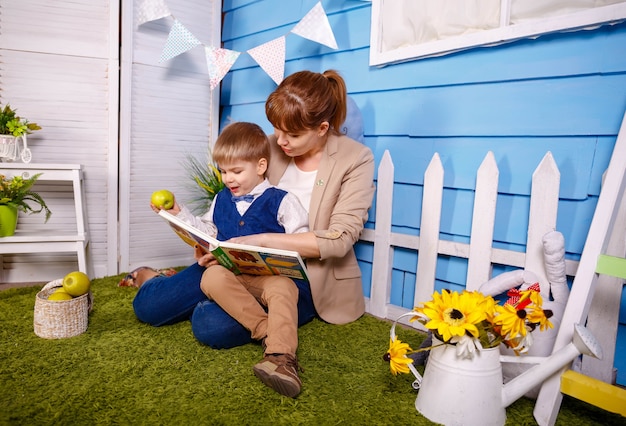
<point x="60" y="294"/>
<point x="162" y="199"/>
<point x="76" y="283"/>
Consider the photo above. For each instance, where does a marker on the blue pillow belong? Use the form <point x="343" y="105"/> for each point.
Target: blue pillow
<point x="353" y="126"/>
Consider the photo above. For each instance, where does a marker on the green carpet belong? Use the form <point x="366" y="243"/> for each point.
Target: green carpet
<point x="123" y="372"/>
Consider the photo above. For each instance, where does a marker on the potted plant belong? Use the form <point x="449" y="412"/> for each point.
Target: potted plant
<point x="207" y="182"/>
<point x="13" y="127"/>
<point x="16" y="194"/>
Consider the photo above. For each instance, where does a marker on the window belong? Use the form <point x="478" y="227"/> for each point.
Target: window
<point x="411" y="29"/>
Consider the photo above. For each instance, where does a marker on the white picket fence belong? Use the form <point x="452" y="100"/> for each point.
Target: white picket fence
<point x="595" y="296"/>
<point x="479" y="252"/>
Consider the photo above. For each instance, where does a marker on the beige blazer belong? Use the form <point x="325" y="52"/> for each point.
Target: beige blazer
<point x="341" y="197"/>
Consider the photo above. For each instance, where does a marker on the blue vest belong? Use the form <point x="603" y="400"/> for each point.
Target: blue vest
<point x="259" y="218"/>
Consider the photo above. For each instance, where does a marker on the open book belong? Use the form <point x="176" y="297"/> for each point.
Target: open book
<point x="241" y="258"/>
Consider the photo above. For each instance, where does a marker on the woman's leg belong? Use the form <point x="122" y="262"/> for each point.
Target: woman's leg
<point x="212" y="326"/>
<point x="168" y="300"/>
<point x="306" y="308"/>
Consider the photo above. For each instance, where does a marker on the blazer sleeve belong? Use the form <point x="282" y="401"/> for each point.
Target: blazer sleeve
<point x="344" y="206"/>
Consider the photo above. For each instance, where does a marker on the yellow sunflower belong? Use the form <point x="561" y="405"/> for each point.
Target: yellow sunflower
<point x="486" y="304"/>
<point x="453" y="314"/>
<point x="511" y="321"/>
<point x="538" y="316"/>
<point x="396" y="355"/>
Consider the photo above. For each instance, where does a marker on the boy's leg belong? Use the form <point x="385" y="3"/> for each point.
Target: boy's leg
<point x="279" y="367"/>
<point x="229" y="291"/>
<point x="280" y="296"/>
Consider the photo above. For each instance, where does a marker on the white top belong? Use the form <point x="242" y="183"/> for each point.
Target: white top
<point x="299" y="182"/>
<point x="291" y="214"/>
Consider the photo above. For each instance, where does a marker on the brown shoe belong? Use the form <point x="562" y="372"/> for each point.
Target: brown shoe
<point x="280" y="372"/>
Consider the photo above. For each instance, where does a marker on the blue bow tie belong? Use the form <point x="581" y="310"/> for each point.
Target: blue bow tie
<point x="249" y="198"/>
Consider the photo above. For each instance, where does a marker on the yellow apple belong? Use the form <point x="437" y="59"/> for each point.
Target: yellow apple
<point x="76" y="283"/>
<point x="162" y="199"/>
<point x="59" y="295"/>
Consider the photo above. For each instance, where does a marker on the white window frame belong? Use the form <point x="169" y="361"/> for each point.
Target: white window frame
<point x="586" y="19"/>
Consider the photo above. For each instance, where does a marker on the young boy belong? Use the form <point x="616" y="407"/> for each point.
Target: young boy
<point x="250" y="205"/>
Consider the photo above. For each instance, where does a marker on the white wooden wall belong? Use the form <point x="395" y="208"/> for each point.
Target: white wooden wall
<point x="59" y="67"/>
<point x="167" y="112"/>
<point x="126" y="118"/>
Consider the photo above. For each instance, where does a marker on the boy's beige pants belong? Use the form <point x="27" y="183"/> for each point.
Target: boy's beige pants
<point x="243" y="298"/>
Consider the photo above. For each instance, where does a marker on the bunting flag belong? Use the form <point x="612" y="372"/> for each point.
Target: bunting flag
<point x="271" y="57"/>
<point x="179" y="41"/>
<point x="151" y="10"/>
<point x="315" y="26"/>
<point x="219" y="62"/>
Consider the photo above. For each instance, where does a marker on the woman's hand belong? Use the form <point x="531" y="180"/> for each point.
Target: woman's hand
<point x="204" y="259"/>
<point x="259" y="240"/>
<point x="304" y="243"/>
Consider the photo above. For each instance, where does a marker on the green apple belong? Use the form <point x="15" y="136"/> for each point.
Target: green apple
<point x="76" y="283"/>
<point x="162" y="199"/>
<point x="60" y="294"/>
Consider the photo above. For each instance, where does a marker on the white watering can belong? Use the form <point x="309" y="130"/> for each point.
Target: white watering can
<point x="470" y="391"/>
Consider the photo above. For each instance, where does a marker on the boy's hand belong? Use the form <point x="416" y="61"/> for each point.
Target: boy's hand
<point x="204" y="259"/>
<point x="174" y="210"/>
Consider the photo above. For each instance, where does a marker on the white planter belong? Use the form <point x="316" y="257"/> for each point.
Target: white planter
<point x="10" y="148"/>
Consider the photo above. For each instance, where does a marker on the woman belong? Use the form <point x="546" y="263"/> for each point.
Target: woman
<point x="332" y="175"/>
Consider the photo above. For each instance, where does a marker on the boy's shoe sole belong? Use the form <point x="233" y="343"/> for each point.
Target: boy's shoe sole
<point x="279" y="372"/>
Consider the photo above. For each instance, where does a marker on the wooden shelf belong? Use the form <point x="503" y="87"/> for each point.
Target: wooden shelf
<point x="51" y="240"/>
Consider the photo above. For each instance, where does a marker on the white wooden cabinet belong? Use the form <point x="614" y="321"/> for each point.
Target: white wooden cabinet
<point x="50" y="238"/>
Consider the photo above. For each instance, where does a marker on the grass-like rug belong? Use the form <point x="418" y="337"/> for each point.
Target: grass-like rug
<point x="121" y="371"/>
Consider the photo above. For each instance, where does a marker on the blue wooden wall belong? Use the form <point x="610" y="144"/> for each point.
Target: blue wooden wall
<point x="565" y="93"/>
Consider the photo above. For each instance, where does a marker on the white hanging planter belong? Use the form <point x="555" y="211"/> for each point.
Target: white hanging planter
<point x="10" y="148"/>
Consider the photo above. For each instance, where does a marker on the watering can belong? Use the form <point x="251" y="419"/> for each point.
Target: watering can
<point x="470" y="391"/>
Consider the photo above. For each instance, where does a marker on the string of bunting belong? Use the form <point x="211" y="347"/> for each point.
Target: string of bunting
<point x="270" y="56"/>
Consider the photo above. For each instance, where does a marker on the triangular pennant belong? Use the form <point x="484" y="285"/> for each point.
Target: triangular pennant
<point x="271" y="57"/>
<point x="315" y="26"/>
<point x="219" y="62"/>
<point x="151" y="10"/>
<point x="179" y="41"/>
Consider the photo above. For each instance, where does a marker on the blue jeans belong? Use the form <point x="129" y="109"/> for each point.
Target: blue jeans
<point x="168" y="300"/>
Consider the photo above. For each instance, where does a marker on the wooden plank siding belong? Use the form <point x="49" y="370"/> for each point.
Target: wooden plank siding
<point x="564" y="93"/>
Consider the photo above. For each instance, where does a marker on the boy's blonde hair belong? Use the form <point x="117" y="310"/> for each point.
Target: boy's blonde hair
<point x="241" y="141"/>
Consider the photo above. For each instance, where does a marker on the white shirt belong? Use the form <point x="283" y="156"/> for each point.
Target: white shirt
<point x="299" y="183"/>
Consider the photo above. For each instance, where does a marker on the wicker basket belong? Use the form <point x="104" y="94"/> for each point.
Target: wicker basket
<point x="59" y="319"/>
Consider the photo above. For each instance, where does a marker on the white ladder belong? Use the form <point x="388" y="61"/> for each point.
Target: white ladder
<point x="605" y="241"/>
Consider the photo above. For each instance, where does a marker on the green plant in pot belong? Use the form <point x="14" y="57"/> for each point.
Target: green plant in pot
<point x="13" y="125"/>
<point x="16" y="194"/>
<point x="13" y="128"/>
